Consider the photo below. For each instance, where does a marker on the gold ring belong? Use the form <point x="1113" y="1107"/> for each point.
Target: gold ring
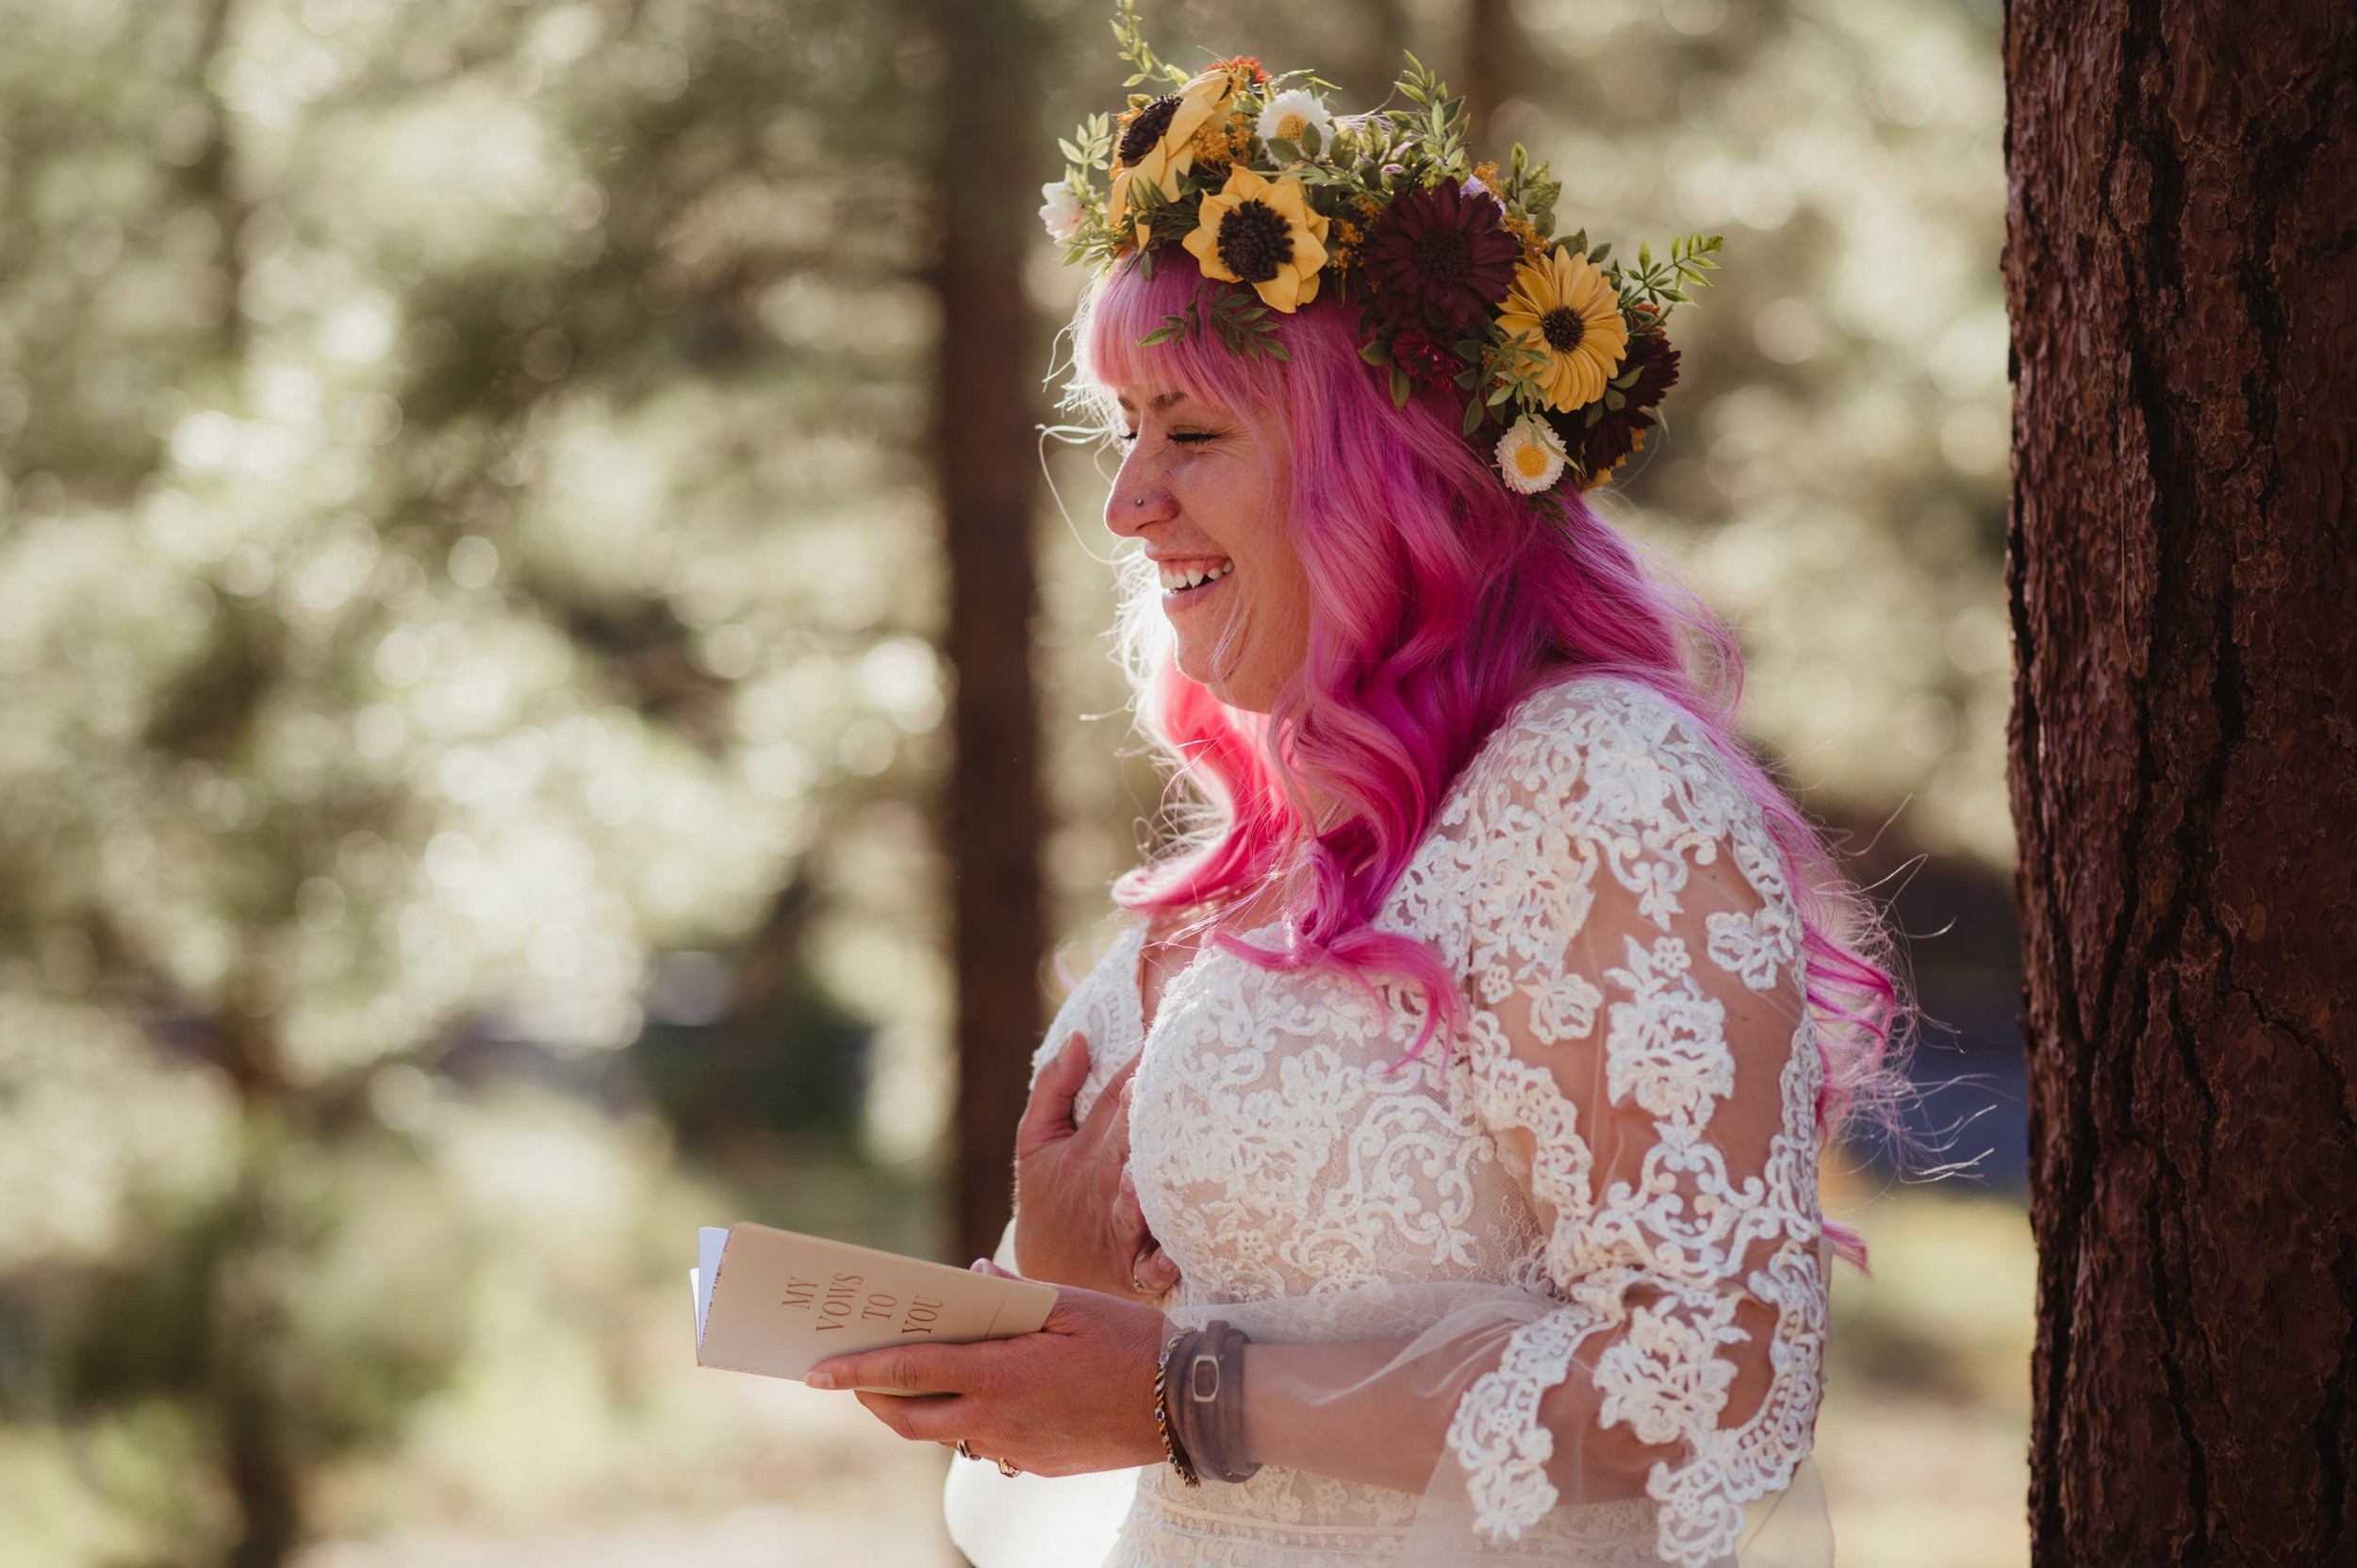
<point x="964" y="1452"/>
<point x="1007" y="1467"/>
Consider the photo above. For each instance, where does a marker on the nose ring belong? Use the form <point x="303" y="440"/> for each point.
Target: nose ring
<point x="1137" y="501"/>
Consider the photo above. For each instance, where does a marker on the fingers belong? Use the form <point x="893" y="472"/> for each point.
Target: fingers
<point x="1156" y="1270"/>
<point x="1129" y="1218"/>
<point x="1047" y="1114"/>
<point x="919" y="1420"/>
<point x="1110" y="1116"/>
<point x="1118" y="1137"/>
<point x="916" y="1369"/>
<point x="1151" y="1269"/>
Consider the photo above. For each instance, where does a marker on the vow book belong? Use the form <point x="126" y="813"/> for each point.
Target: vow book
<point x="779" y="1302"/>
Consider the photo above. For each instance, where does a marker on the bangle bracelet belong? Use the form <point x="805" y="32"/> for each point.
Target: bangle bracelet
<point x="1171" y="1450"/>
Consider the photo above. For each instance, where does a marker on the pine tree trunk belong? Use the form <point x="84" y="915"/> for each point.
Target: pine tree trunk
<point x="1493" y="45"/>
<point x="987" y="168"/>
<point x="2180" y="268"/>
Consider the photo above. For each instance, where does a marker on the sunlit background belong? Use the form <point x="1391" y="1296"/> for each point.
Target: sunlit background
<point x="470" y="588"/>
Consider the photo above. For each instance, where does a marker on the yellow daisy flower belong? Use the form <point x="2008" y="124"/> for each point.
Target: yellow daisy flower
<point x="1157" y="144"/>
<point x="1566" y="307"/>
<point x="1265" y="233"/>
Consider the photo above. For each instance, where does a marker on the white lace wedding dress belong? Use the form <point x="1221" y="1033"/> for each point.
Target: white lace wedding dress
<point x="1597" y="1223"/>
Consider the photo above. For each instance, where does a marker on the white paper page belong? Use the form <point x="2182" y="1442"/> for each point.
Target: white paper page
<point x="709" y="1240"/>
<point x="793" y="1299"/>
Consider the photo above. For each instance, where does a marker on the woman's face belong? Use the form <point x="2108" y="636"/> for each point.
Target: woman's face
<point x="1208" y="502"/>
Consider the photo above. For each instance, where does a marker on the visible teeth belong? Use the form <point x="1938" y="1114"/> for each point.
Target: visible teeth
<point x="1177" y="578"/>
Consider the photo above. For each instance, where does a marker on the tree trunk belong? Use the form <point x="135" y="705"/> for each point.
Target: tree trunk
<point x="1491" y="46"/>
<point x="2181" y="268"/>
<point x="988" y="163"/>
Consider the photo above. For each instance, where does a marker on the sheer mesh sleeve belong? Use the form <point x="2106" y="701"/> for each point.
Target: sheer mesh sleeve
<point x="1639" y="1046"/>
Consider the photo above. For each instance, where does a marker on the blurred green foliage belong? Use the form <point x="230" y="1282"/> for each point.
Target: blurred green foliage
<point x="468" y="584"/>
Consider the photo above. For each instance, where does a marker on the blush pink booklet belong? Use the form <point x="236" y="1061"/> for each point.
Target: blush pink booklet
<point x="779" y="1302"/>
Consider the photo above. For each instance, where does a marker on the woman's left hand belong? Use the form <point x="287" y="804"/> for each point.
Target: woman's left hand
<point x="1076" y="1397"/>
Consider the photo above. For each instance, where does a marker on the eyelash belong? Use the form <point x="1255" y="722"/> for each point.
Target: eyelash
<point x="1190" y="437"/>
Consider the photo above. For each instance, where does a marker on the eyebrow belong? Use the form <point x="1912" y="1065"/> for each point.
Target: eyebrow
<point x="1160" y="401"/>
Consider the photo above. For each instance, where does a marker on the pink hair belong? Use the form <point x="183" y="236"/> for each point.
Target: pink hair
<point x="1442" y="600"/>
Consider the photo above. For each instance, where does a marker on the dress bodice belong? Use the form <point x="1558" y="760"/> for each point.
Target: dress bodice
<point x="1275" y="1156"/>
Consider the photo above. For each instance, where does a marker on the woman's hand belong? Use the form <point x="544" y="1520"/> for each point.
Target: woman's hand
<point x="1077" y="1220"/>
<point x="1076" y="1397"/>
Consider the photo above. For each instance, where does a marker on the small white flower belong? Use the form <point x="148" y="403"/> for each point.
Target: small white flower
<point x="1062" y="211"/>
<point x="1530" y="455"/>
<point x="1291" y="115"/>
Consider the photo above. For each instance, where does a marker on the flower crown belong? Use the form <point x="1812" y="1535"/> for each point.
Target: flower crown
<point x="1462" y="287"/>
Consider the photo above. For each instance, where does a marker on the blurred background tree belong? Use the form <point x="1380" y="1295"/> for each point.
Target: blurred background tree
<point x="478" y="502"/>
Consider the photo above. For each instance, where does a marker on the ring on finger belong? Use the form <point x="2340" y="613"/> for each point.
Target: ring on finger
<point x="964" y="1452"/>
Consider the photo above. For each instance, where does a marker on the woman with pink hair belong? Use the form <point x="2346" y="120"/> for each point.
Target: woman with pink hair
<point x="1431" y="1166"/>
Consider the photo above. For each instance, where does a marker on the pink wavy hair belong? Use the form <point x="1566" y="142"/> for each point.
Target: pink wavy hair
<point x="1442" y="598"/>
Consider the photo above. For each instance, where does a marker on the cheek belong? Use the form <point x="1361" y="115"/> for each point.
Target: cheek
<point x="1284" y="583"/>
<point x="1258" y="540"/>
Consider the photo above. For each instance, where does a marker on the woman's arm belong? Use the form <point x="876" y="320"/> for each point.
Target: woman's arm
<point x="1360" y="1411"/>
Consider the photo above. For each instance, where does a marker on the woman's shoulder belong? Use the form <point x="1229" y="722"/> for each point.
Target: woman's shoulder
<point x="1604" y="757"/>
<point x="1606" y="774"/>
<point x="1581" y="723"/>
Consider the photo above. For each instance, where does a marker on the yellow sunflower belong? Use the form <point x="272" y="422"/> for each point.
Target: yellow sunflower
<point x="1567" y="307"/>
<point x="1265" y="233"/>
<point x="1157" y="144"/>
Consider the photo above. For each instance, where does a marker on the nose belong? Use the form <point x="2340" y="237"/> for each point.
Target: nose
<point x="1137" y="500"/>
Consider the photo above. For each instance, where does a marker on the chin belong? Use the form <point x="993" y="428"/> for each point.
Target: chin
<point x="1244" y="695"/>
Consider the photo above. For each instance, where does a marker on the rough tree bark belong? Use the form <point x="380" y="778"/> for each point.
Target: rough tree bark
<point x="2180" y="268"/>
<point x="986" y="181"/>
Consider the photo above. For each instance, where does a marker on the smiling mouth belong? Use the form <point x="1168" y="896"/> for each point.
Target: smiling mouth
<point x="1181" y="582"/>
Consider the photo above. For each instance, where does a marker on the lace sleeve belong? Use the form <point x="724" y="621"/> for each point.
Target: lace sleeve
<point x="1639" y="1048"/>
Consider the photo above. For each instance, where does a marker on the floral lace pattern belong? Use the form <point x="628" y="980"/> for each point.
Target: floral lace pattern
<point x="1627" y="1124"/>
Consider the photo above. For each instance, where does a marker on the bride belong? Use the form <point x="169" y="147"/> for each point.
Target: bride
<point x="1431" y="1163"/>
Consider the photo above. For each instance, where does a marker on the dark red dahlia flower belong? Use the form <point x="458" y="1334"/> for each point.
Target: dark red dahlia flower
<point x="1442" y="250"/>
<point x="1657" y="366"/>
<point x="1596" y="447"/>
<point x="1428" y="360"/>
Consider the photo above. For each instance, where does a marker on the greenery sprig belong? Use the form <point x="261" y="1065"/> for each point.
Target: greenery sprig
<point x="1661" y="284"/>
<point x="1240" y="321"/>
<point x="1445" y="118"/>
<point x="1092" y="152"/>
<point x="1144" y="62"/>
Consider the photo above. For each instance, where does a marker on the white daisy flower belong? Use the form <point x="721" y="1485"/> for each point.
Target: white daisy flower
<point x="1530" y="455"/>
<point x="1062" y="211"/>
<point x="1291" y="115"/>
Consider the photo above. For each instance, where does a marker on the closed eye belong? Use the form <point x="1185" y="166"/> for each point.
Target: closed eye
<point x="1189" y="438"/>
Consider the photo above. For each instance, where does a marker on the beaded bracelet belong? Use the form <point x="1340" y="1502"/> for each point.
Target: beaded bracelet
<point x="1177" y="1456"/>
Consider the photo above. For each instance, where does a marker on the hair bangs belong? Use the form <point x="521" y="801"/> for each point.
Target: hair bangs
<point x="1122" y="308"/>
